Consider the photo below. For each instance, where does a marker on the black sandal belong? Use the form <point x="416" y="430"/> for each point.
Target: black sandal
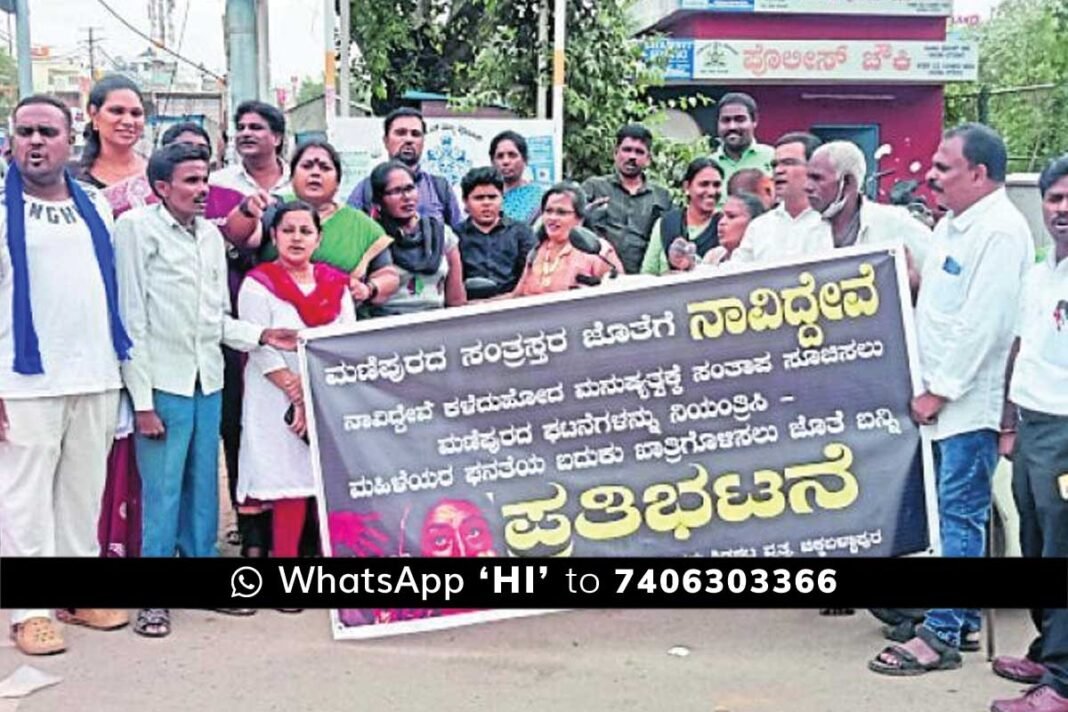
<point x="153" y="622"/>
<point x="906" y="664"/>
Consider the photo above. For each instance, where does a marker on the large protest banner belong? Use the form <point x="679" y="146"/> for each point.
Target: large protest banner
<point x="756" y="413"/>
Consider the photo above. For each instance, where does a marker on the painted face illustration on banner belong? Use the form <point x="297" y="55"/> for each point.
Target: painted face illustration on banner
<point x="456" y="528"/>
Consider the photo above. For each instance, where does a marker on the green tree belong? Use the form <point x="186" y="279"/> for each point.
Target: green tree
<point x="607" y="77"/>
<point x="309" y="89"/>
<point x="410" y="44"/>
<point x="1020" y="48"/>
<point x="486" y="52"/>
<point x="9" y="85"/>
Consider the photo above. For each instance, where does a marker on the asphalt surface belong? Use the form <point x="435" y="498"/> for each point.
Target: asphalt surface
<point x="739" y="661"/>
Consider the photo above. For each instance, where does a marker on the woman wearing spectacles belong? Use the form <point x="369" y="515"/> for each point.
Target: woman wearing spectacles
<point x="425" y="251"/>
<point x="556" y="265"/>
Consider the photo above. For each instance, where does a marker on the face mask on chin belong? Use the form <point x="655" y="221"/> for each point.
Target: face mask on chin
<point x="832" y="210"/>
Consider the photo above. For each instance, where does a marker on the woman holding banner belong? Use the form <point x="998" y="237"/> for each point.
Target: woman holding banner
<point x="289" y="292"/>
<point x="425" y="251"/>
<point x="557" y="264"/>
<point x="681" y="236"/>
<point x="351" y="241"/>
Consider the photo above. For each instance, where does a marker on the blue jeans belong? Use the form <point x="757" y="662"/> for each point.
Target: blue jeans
<point x="965" y="464"/>
<point x="180" y="477"/>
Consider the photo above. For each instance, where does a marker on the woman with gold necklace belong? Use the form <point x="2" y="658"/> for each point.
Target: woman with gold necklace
<point x="556" y="265"/>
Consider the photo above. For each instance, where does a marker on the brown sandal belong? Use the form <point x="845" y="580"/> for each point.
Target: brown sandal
<point x="37" y="636"/>
<point x="95" y="618"/>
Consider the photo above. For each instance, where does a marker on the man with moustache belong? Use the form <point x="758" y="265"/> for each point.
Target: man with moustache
<point x="624" y="205"/>
<point x="736" y="123"/>
<point x="261" y="172"/>
<point x="965" y="315"/>
<point x="835" y="190"/>
<point x="1034" y="435"/>
<point x="238" y="197"/>
<point x="405" y="134"/>
<point x="793" y="228"/>
<point x="175" y="302"/>
<point x="61" y="339"/>
<point x="492" y="245"/>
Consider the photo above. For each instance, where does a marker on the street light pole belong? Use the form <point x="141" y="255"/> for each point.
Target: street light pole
<point x="344" y="30"/>
<point x="559" y="45"/>
<point x="25" y="59"/>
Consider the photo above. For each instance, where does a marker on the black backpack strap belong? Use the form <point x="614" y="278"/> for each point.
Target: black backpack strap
<point x="670" y="227"/>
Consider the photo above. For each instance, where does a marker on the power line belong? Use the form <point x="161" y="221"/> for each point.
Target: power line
<point x="168" y="50"/>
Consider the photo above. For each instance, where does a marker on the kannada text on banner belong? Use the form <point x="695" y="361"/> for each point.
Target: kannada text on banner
<point x="762" y="413"/>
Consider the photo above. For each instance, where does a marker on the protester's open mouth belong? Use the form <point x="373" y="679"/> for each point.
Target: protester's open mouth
<point x="314" y="184"/>
<point x="35" y="156"/>
<point x="1060" y="222"/>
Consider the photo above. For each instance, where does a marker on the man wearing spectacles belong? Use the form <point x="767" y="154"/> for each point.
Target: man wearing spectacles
<point x="793" y="228"/>
<point x="61" y="339"/>
<point x="404" y="138"/>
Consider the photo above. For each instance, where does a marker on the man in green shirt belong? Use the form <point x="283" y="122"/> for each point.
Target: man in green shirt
<point x="624" y="205"/>
<point x="736" y="124"/>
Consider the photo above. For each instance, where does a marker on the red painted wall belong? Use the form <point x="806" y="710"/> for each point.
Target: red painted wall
<point x="760" y="26"/>
<point x="911" y="124"/>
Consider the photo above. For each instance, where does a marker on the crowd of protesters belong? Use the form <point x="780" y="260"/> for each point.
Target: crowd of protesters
<point x="150" y="306"/>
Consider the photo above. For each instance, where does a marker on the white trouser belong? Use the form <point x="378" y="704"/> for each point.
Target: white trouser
<point x="53" y="466"/>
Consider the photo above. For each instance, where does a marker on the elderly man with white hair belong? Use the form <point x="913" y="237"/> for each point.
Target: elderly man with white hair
<point x="835" y="189"/>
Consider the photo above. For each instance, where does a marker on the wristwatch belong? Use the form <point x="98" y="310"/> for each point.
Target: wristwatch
<point x="374" y="290"/>
<point x="243" y="207"/>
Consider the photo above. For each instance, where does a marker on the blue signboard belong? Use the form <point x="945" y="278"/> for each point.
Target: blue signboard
<point x="679" y="57"/>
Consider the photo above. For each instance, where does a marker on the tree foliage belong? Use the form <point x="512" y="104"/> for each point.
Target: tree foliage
<point x="9" y="85"/>
<point x="1022" y="46"/>
<point x="309" y="89"/>
<point x="486" y="52"/>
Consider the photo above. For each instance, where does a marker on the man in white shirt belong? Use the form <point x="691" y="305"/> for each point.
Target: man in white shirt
<point x="835" y="189"/>
<point x="60" y="343"/>
<point x="1034" y="434"/>
<point x="793" y="228"/>
<point x="238" y="196"/>
<point x="964" y="319"/>
<point x="176" y="305"/>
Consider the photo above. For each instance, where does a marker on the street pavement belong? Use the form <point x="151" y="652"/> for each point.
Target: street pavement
<point x="739" y="661"/>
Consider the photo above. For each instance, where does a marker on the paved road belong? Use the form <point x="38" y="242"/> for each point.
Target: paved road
<point x="741" y="661"/>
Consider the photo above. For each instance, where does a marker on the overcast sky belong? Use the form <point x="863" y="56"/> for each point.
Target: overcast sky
<point x="296" y="30"/>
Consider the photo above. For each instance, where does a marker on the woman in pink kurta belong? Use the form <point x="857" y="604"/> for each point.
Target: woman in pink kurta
<point x="111" y="163"/>
<point x="557" y="265"/>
